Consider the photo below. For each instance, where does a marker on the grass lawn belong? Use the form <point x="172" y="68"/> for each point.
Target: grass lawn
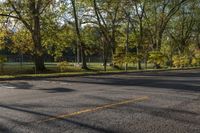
<point x="13" y="69"/>
<point x="16" y="70"/>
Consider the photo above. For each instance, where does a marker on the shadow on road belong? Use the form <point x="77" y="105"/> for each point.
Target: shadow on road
<point x="40" y="115"/>
<point x="17" y="85"/>
<point x="175" y="81"/>
<point x="28" y="86"/>
<point x="186" y="81"/>
<point x="182" y="116"/>
<point x="57" y="90"/>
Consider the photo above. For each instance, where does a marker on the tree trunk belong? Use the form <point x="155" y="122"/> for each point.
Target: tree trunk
<point x="36" y="35"/>
<point x="139" y="67"/>
<point x="77" y="26"/>
<point x="146" y="63"/>
<point x="104" y="57"/>
<point x="159" y="41"/>
<point x="105" y="65"/>
<point x="39" y="63"/>
<point x="39" y="56"/>
<point x="84" y="63"/>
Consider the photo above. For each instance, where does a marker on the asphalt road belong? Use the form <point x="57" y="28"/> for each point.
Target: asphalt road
<point x="162" y="102"/>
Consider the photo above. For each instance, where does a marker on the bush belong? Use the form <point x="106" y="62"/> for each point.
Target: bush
<point x="131" y="58"/>
<point x="2" y="61"/>
<point x="63" y="66"/>
<point x="157" y="58"/>
<point x="119" y="59"/>
<point x="122" y="58"/>
<point x="195" y="62"/>
<point x="196" y="59"/>
<point x="180" y="61"/>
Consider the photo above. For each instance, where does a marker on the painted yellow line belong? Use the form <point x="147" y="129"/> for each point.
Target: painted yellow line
<point x="95" y="109"/>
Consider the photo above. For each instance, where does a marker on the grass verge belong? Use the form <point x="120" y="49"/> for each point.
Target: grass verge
<point x="84" y="73"/>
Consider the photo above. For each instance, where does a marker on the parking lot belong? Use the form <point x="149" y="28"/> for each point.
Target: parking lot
<point x="153" y="102"/>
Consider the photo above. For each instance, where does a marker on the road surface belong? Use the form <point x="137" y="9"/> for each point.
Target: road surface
<point x="153" y="102"/>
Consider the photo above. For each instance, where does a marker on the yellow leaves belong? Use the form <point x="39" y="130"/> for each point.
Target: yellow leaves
<point x="63" y="66"/>
<point x="196" y="59"/>
<point x="3" y="35"/>
<point x="180" y="61"/>
<point x="2" y="59"/>
<point x="157" y="57"/>
<point x="123" y="58"/>
<point x="22" y="42"/>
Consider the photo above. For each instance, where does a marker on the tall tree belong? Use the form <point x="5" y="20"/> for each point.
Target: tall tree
<point x="29" y="13"/>
<point x="109" y="16"/>
<point x="79" y="36"/>
<point x="159" y="13"/>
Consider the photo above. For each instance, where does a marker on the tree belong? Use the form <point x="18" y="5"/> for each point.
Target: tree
<point x="29" y="13"/>
<point x="109" y="16"/>
<point x="82" y="45"/>
<point x="158" y="14"/>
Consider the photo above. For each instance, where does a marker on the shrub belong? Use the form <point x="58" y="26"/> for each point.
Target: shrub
<point x="122" y="58"/>
<point x="63" y="66"/>
<point x="157" y="58"/>
<point x="180" y="61"/>
<point x="2" y="61"/>
<point x="196" y="59"/>
<point x="118" y="59"/>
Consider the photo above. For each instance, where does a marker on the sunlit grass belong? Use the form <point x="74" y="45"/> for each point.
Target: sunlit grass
<point x="26" y="70"/>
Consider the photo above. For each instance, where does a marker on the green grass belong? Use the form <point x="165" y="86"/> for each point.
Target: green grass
<point x="28" y="68"/>
<point x="15" y="70"/>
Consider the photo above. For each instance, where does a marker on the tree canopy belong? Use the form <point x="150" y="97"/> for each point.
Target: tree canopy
<point x="161" y="32"/>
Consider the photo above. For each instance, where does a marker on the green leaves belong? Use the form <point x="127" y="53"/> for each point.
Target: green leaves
<point x="63" y="66"/>
<point x="158" y="31"/>
<point x="22" y="42"/>
<point x="2" y="59"/>
<point x="3" y="38"/>
<point x="57" y="38"/>
<point x="180" y="61"/>
<point x="157" y="58"/>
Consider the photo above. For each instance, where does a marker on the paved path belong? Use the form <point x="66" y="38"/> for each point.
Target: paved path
<point x="162" y="102"/>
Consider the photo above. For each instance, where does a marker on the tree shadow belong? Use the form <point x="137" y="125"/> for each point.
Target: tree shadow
<point x="98" y="98"/>
<point x="166" y="113"/>
<point x="17" y="85"/>
<point x="175" y="73"/>
<point x="34" y="124"/>
<point x="4" y="129"/>
<point x="160" y="80"/>
<point x="57" y="90"/>
<point x="28" y="86"/>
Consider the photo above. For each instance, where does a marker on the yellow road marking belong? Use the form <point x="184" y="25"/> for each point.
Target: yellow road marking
<point x="95" y="109"/>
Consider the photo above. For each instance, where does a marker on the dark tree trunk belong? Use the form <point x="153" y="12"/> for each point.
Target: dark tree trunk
<point x="37" y="40"/>
<point x="84" y="63"/>
<point x="146" y="63"/>
<point x="77" y="26"/>
<point x="105" y="65"/>
<point x="38" y="53"/>
<point x="39" y="63"/>
<point x="105" y="57"/>
<point x="139" y="66"/>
